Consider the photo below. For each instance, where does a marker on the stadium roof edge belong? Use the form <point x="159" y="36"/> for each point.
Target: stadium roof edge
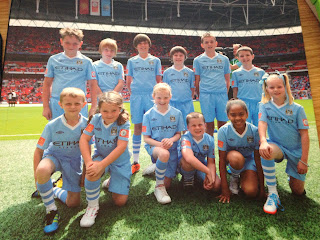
<point x="150" y="30"/>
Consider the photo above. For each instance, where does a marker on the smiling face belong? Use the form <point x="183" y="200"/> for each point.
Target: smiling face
<point x="238" y="116"/>
<point x="143" y="48"/>
<point x="162" y="99"/>
<point x="71" y="45"/>
<point x="276" y="89"/>
<point x="209" y="44"/>
<point x="109" y="112"/>
<point x="197" y="127"/>
<point x="72" y="105"/>
<point x="245" y="57"/>
<point x="178" y="58"/>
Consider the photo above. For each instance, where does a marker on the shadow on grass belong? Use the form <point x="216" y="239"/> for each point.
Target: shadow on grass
<point x="191" y="215"/>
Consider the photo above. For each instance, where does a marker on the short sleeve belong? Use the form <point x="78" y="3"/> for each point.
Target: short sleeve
<point x="124" y="131"/>
<point x="222" y="140"/>
<point x="262" y="113"/>
<point x="185" y="142"/>
<point x="91" y="74"/>
<point x="45" y="139"/>
<point x="158" y="68"/>
<point x="49" y="70"/>
<point x="89" y="130"/>
<point x="302" y="119"/>
<point x="146" y="129"/>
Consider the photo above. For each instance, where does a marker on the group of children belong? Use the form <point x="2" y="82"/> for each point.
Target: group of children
<point x="160" y="111"/>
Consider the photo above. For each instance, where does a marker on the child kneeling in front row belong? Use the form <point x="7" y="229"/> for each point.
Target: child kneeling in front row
<point x="238" y="143"/>
<point x="287" y="126"/>
<point x="111" y="130"/>
<point x="161" y="129"/>
<point x="58" y="150"/>
<point x="197" y="149"/>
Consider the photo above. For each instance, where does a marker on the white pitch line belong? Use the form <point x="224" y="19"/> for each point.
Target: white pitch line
<point x="20" y="135"/>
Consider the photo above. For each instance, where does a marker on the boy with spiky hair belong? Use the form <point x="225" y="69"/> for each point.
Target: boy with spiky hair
<point x="144" y="72"/>
<point x="68" y="69"/>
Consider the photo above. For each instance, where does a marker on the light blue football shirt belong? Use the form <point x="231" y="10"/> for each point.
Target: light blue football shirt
<point x="162" y="125"/>
<point x="211" y="72"/>
<point x="202" y="149"/>
<point x="247" y="82"/>
<point x="62" y="140"/>
<point x="69" y="72"/>
<point x="106" y="136"/>
<point x="108" y="75"/>
<point x="143" y="73"/>
<point x="180" y="82"/>
<point x="229" y="139"/>
<point x="284" y="123"/>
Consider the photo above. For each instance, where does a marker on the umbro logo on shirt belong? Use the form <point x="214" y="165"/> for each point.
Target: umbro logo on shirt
<point x="154" y="119"/>
<point x="231" y="139"/>
<point x="98" y="129"/>
<point x="59" y="132"/>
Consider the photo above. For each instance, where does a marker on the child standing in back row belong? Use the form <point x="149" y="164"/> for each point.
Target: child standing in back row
<point x="212" y="80"/>
<point x="144" y="71"/>
<point x="109" y="72"/>
<point x="68" y="69"/>
<point x="287" y="127"/>
<point x="246" y="83"/>
<point x="181" y="80"/>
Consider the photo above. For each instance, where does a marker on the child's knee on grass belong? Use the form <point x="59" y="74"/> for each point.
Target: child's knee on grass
<point x="119" y="199"/>
<point x="296" y="185"/>
<point x="249" y="183"/>
<point x="73" y="199"/>
<point x="235" y="159"/>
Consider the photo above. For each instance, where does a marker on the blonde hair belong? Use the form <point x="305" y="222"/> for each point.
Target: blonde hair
<point x="161" y="87"/>
<point x="177" y="49"/>
<point x="71" y="32"/>
<point x="72" y="92"/>
<point x="207" y="34"/>
<point x="113" y="97"/>
<point x="110" y="43"/>
<point x="245" y="48"/>
<point x="266" y="96"/>
<point x="194" y="115"/>
<point x="141" y="38"/>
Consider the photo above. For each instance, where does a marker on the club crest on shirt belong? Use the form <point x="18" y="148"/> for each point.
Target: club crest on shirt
<point x="256" y="74"/>
<point x="219" y="61"/>
<point x="250" y="139"/>
<point x="289" y="112"/>
<point x="79" y="62"/>
<point x="172" y="118"/>
<point x="205" y="147"/>
<point x="185" y="74"/>
<point x="151" y="62"/>
<point x="114" y="131"/>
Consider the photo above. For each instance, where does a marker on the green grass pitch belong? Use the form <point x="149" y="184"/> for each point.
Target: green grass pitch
<point x="194" y="215"/>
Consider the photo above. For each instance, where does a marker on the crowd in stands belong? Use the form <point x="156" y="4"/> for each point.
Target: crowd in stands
<point x="44" y="41"/>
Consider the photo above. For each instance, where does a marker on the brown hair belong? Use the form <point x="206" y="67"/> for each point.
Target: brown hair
<point x="113" y="97"/>
<point x="245" y="48"/>
<point x="178" y="49"/>
<point x="141" y="38"/>
<point x="234" y="101"/>
<point x="71" y="32"/>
